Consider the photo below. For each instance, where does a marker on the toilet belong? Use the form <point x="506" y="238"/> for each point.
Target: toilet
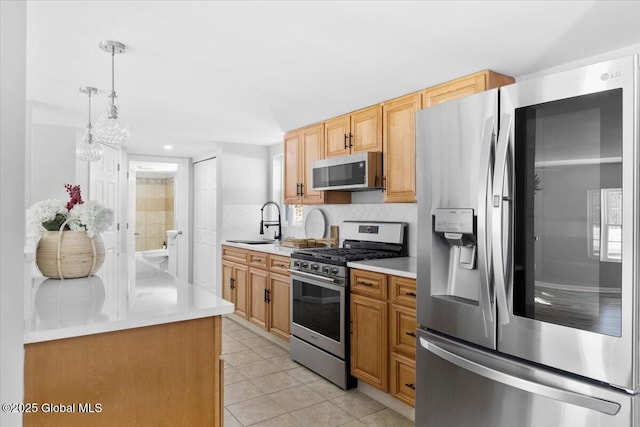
<point x="165" y="259"/>
<point x="158" y="257"/>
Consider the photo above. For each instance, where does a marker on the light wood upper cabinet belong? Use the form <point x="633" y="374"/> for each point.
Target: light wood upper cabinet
<point x="399" y="148"/>
<point x="337" y="131"/>
<point x="301" y="148"/>
<point x="463" y="86"/>
<point x="313" y="143"/>
<point x="292" y="173"/>
<point x="354" y="133"/>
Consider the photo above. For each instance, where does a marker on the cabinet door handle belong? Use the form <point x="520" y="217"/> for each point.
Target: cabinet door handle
<point x="410" y="294"/>
<point x="268" y="294"/>
<point x="232" y="283"/>
<point x="361" y="282"/>
<point x="384" y="183"/>
<point x="301" y="189"/>
<point x="350" y="137"/>
<point x="345" y="141"/>
<point x="410" y="385"/>
<point x="265" y="295"/>
<point x="411" y="334"/>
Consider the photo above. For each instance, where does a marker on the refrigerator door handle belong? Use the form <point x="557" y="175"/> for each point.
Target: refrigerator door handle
<point x="495" y="374"/>
<point x="499" y="178"/>
<point x="484" y="226"/>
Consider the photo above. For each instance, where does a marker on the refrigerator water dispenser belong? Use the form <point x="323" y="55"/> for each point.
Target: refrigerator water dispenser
<point x="457" y="227"/>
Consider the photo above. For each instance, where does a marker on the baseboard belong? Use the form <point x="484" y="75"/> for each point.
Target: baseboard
<point x="259" y="331"/>
<point x="387" y="400"/>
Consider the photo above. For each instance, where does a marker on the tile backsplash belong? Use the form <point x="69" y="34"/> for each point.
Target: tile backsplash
<point x="243" y="221"/>
<point x="336" y="214"/>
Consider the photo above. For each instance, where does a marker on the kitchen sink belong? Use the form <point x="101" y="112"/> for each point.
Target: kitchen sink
<point x="253" y="242"/>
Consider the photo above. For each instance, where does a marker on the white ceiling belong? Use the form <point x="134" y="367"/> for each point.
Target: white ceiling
<point x="199" y="72"/>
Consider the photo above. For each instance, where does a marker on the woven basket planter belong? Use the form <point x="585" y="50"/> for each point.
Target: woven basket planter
<point x="69" y="254"/>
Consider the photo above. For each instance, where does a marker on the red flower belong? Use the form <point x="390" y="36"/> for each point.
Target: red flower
<point x="74" y="196"/>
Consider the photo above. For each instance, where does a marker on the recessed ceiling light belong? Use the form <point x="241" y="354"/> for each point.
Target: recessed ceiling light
<point x="168" y="147"/>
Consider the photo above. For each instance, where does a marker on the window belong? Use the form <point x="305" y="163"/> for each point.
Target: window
<point x="605" y="224"/>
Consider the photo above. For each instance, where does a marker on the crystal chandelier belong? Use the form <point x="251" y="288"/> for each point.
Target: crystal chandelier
<point x="89" y="150"/>
<point x="109" y="130"/>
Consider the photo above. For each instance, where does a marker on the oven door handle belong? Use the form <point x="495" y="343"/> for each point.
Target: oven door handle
<point x="312" y="276"/>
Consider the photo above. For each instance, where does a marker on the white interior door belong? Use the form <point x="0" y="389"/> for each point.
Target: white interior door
<point x="204" y="228"/>
<point x="103" y="187"/>
<point x="131" y="212"/>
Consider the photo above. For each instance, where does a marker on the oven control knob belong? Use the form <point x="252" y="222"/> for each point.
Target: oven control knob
<point x="296" y="263"/>
<point x="325" y="269"/>
<point x="334" y="270"/>
<point x="314" y="267"/>
<point x="304" y="265"/>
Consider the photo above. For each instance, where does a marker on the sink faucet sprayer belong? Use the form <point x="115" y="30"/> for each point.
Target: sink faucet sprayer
<point x="268" y="224"/>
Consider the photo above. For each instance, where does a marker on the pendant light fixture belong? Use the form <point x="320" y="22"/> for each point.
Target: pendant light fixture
<point x="89" y="150"/>
<point x="109" y="130"/>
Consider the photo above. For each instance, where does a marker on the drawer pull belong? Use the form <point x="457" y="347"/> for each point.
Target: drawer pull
<point x="257" y="260"/>
<point x="410" y="294"/>
<point x="411" y="334"/>
<point x="410" y="385"/>
<point x="280" y="265"/>
<point x="360" y="282"/>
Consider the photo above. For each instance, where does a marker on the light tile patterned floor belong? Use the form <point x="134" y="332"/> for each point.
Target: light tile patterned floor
<point x="263" y="387"/>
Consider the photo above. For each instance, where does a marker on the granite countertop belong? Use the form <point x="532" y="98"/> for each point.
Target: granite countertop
<point x="267" y="248"/>
<point x="402" y="266"/>
<point x="141" y="296"/>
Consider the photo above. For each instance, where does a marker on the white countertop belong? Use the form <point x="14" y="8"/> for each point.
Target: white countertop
<point x="403" y="266"/>
<point x="268" y="248"/>
<point x="141" y="296"/>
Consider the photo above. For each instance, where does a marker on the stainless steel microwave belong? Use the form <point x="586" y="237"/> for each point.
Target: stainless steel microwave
<point x="355" y="172"/>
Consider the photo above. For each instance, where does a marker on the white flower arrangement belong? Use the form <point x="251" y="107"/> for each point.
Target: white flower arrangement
<point x="50" y="215"/>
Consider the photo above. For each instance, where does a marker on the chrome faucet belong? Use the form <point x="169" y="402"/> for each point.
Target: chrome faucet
<point x="268" y="224"/>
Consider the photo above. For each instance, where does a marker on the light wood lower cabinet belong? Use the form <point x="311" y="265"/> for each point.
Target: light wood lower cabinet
<point x="279" y="316"/>
<point x="258" y="306"/>
<point x="369" y="342"/>
<point x="403" y="378"/>
<point x="160" y="375"/>
<point x="234" y="285"/>
<point x="269" y="293"/>
<point x="383" y="332"/>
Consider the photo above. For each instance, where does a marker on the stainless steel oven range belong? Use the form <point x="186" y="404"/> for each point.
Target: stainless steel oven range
<point x="320" y="295"/>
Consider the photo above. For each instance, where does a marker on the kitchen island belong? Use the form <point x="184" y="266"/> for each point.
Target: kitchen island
<point x="141" y="349"/>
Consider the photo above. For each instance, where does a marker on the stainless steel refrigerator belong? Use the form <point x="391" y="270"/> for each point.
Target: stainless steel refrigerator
<point x="528" y="247"/>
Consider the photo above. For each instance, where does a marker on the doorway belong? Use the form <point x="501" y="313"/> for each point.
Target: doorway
<point x="158" y="200"/>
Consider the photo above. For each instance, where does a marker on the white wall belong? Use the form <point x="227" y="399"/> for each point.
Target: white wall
<point x="618" y="53"/>
<point x="12" y="199"/>
<point x="243" y="172"/>
<point x="244" y="188"/>
<point x="52" y="154"/>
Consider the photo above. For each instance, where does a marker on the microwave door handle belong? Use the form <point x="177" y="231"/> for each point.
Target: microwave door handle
<point x="527" y="382"/>
<point x="484" y="226"/>
<point x="499" y="179"/>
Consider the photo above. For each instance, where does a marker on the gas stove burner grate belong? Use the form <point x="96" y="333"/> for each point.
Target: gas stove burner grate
<point x="346" y="254"/>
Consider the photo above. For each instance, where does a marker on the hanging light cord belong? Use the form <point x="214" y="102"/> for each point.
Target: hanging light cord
<point x="113" y="109"/>
<point x="89" y="134"/>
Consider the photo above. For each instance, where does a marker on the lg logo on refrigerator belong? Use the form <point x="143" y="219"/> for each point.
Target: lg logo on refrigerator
<point x="608" y="76"/>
